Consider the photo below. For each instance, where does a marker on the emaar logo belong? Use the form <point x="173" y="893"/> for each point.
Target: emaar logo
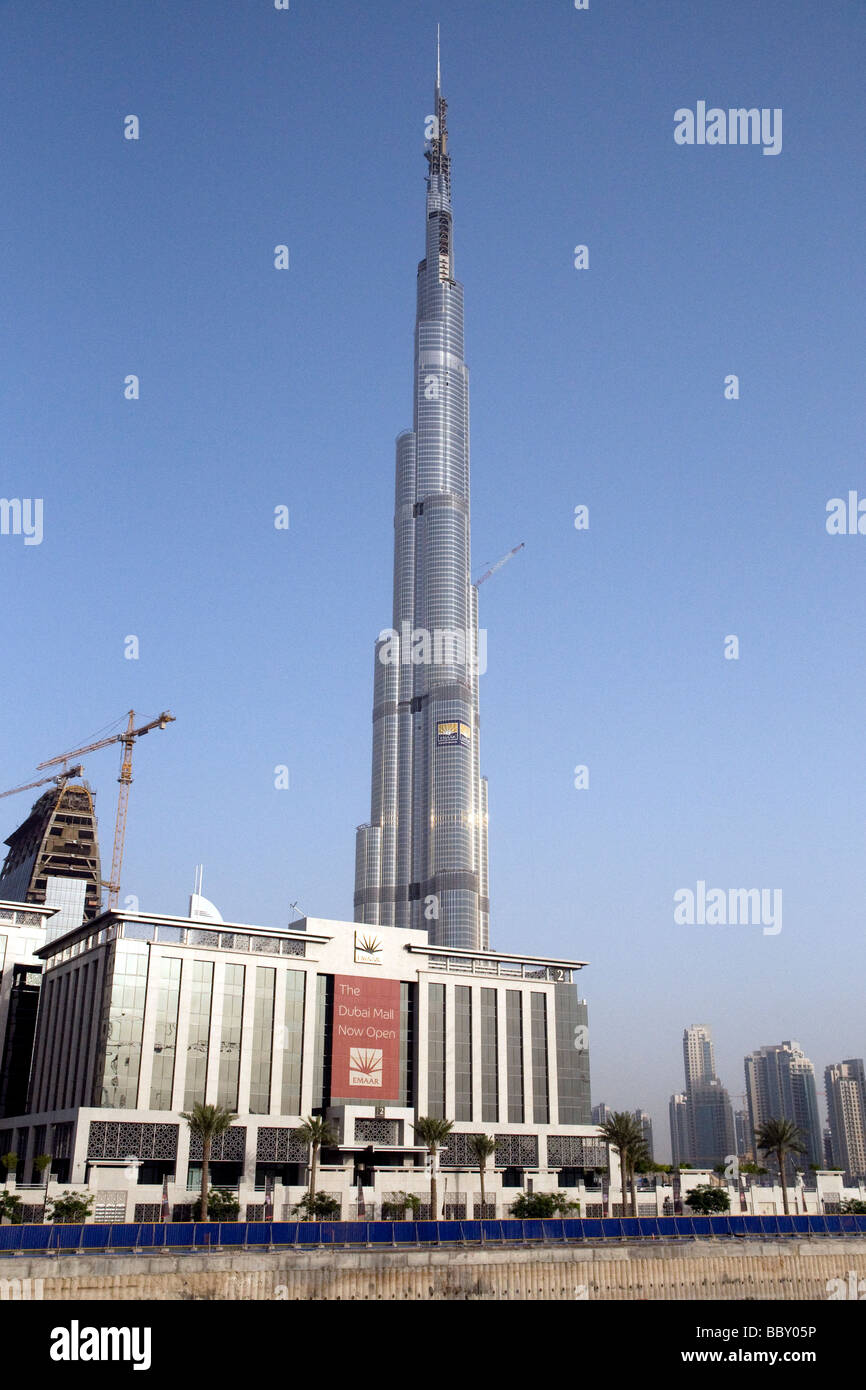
<point x="77" y="1343"/>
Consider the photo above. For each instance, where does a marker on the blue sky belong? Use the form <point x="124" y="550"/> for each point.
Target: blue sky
<point x="602" y="387"/>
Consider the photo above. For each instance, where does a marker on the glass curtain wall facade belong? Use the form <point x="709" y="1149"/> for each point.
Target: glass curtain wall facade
<point x="165" y="1034"/>
<point x="198" y="1037"/>
<point x="262" y="1045"/>
<point x="123" y="1018"/>
<point x="514" y="1054"/>
<point x="436" y="1051"/>
<point x="489" y="1056"/>
<point x="421" y="862"/>
<point x="293" y="1043"/>
<point x="230" y="1042"/>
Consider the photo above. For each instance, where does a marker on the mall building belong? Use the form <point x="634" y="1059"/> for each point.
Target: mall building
<point x="141" y="1016"/>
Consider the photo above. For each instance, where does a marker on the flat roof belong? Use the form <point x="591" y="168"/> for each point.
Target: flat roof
<point x="28" y="907"/>
<point x="168" y="919"/>
<point x="465" y="953"/>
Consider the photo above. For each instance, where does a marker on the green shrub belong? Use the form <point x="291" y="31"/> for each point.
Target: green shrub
<point x="12" y="1208"/>
<point x="543" y="1204"/>
<point x="318" y="1208"/>
<point x="704" y="1200"/>
<point x="69" y="1209"/>
<point x="222" y="1205"/>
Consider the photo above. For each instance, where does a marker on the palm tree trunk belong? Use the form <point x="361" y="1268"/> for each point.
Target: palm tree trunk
<point x="205" y="1160"/>
<point x="781" y="1157"/>
<point x="434" y="1195"/>
<point x="314" y="1165"/>
<point x="481" y="1176"/>
<point x="633" y="1186"/>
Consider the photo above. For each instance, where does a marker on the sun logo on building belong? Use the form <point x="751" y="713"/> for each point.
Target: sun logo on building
<point x="365" y="1066"/>
<point x="368" y="949"/>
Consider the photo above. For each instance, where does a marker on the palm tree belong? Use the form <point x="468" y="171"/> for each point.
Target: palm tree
<point x="780" y="1138"/>
<point x="433" y="1132"/>
<point x="315" y="1132"/>
<point x="481" y="1146"/>
<point x="624" y="1134"/>
<point x="208" y="1122"/>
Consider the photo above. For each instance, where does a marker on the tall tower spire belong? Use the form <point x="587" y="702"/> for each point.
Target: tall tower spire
<point x="421" y="861"/>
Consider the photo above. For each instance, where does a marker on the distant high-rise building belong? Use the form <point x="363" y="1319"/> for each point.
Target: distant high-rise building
<point x="709" y="1116"/>
<point x="601" y="1113"/>
<point x="421" y="861"/>
<point x="828" y="1148"/>
<point x="711" y="1124"/>
<point x="646" y="1124"/>
<point x="53" y="858"/>
<point x="744" y="1143"/>
<point x="699" y="1060"/>
<point x="780" y="1084"/>
<point x="845" y="1086"/>
<point x="679" y="1123"/>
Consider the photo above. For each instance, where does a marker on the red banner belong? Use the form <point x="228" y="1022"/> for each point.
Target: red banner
<point x="365" y="1061"/>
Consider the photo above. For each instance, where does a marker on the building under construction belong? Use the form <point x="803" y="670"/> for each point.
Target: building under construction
<point x="53" y="857"/>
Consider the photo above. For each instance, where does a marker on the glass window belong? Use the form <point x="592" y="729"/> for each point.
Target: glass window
<point x="139" y="931"/>
<point x="263" y="1038"/>
<point x="123" y="1017"/>
<point x="489" y="1056"/>
<point x="436" y="1051"/>
<point x="165" y="1033"/>
<point x="173" y="934"/>
<point x="293" y="1042"/>
<point x="266" y="945"/>
<point x="540" y="1096"/>
<point x="322" y="1054"/>
<point x="197" y="937"/>
<point x="514" y="1054"/>
<point x="198" y="1037"/>
<point x="230" y="1042"/>
<point x="407" y="1044"/>
<point x="462" y="1052"/>
<point x="572" y="1057"/>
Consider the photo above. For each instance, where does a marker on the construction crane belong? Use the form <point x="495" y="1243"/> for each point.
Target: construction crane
<point x="499" y="564"/>
<point x="126" y="739"/>
<point x="58" y="781"/>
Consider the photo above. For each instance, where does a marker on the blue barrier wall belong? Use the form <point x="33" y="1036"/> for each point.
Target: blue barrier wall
<point x="70" y="1240"/>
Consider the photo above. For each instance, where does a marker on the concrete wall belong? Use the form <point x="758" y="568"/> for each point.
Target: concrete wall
<point x="702" y="1269"/>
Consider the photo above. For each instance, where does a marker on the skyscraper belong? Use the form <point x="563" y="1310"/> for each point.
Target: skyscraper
<point x="845" y="1086"/>
<point x="780" y="1084"/>
<point x="678" y="1117"/>
<point x="745" y="1141"/>
<point x="421" y="861"/>
<point x="646" y="1125"/>
<point x="699" y="1062"/>
<point x="711" y="1124"/>
<point x="53" y="858"/>
<point x="709" y="1116"/>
